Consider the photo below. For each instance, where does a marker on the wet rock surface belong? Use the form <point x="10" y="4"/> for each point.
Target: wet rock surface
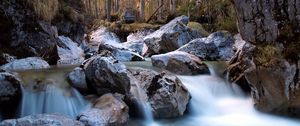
<point x="180" y="63"/>
<point x="77" y="79"/>
<point x="69" y="52"/>
<point x="10" y="93"/>
<point x="42" y="119"/>
<point x="108" y="110"/>
<point x="170" y="36"/>
<point x="107" y="75"/>
<point x="26" y="64"/>
<point x="166" y="94"/>
<point x="217" y="46"/>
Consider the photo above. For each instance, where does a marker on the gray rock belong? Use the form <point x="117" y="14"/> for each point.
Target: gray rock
<point x="102" y="40"/>
<point x="26" y="64"/>
<point x="180" y="63"/>
<point x="6" y="58"/>
<point x="170" y="36"/>
<point x="107" y="75"/>
<point x="108" y="110"/>
<point x="217" y="46"/>
<point x="101" y="35"/>
<point x="77" y="79"/>
<point x="273" y="88"/>
<point x="120" y="52"/>
<point x="10" y="90"/>
<point x="166" y="94"/>
<point x="69" y="52"/>
<point x="136" y="46"/>
<point x="138" y="36"/>
<point x="42" y="120"/>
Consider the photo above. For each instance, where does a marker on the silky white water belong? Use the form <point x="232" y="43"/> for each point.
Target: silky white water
<point x="47" y="91"/>
<point x="215" y="102"/>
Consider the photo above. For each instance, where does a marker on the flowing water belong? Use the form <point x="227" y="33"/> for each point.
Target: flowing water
<point x="47" y="91"/>
<point x="216" y="102"/>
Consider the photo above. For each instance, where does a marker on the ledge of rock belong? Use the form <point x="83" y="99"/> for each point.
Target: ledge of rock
<point x="180" y="63"/>
<point x="26" y="64"/>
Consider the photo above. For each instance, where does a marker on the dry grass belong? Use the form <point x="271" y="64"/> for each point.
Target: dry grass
<point x="45" y="9"/>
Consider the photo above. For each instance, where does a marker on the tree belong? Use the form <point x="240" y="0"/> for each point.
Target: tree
<point x="108" y="8"/>
<point x="142" y="10"/>
<point x="172" y="7"/>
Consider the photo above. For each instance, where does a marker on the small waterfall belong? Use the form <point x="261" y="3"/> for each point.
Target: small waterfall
<point x="47" y="91"/>
<point x="52" y="100"/>
<point x="216" y="102"/>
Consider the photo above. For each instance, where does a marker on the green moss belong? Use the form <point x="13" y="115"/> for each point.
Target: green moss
<point x="265" y="53"/>
<point x="197" y="26"/>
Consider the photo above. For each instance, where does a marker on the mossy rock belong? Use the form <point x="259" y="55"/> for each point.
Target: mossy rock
<point x="265" y="53"/>
<point x="197" y="26"/>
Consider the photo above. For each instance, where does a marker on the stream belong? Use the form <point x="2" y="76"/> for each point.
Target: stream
<point x="214" y="102"/>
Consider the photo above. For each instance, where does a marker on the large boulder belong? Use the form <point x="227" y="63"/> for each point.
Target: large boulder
<point x="42" y="119"/>
<point x="69" y="52"/>
<point x="102" y="40"/>
<point x="270" y="67"/>
<point x="77" y="79"/>
<point x="120" y="52"/>
<point x="108" y="110"/>
<point x="170" y="36"/>
<point x="10" y="93"/>
<point x="107" y="75"/>
<point x="166" y="94"/>
<point x="217" y="46"/>
<point x="180" y="63"/>
<point x="273" y="87"/>
<point x="26" y="64"/>
<point x="135" y="42"/>
<point x="98" y="36"/>
<point x="24" y="35"/>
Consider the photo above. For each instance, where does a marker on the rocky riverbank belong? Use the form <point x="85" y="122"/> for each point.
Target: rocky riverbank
<point x="262" y="62"/>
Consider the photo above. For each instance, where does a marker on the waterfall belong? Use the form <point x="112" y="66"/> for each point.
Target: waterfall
<point x="47" y="91"/>
<point x="216" y="102"/>
<point x="52" y="100"/>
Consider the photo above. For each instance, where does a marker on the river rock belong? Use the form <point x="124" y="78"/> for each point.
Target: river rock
<point x="26" y="64"/>
<point x="217" y="46"/>
<point x="180" y="63"/>
<point x="107" y="75"/>
<point x="42" y="119"/>
<point x="272" y="86"/>
<point x="6" y="58"/>
<point x="102" y="40"/>
<point x="139" y="35"/>
<point x="69" y="52"/>
<point x="108" y="110"/>
<point x="136" y="46"/>
<point x="170" y="36"/>
<point x="98" y="36"/>
<point x="77" y="79"/>
<point x="120" y="52"/>
<point x="10" y="93"/>
<point x="166" y="94"/>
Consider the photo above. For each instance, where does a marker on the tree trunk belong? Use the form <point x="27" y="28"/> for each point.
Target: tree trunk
<point x="172" y="7"/>
<point x="96" y="8"/>
<point x="108" y="9"/>
<point x="142" y="10"/>
<point x="159" y="15"/>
